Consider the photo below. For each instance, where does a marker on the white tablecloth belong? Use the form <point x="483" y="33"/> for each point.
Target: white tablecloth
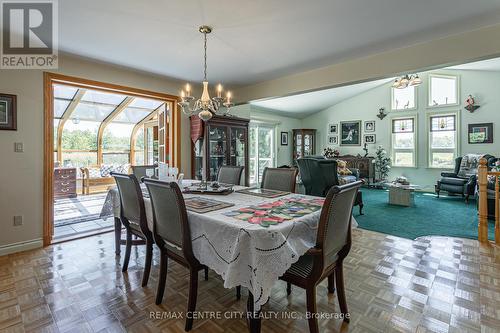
<point x="242" y="253"/>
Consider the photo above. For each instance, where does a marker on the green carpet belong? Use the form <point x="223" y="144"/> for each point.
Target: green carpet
<point x="446" y="216"/>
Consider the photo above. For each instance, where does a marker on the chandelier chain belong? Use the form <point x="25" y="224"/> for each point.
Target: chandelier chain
<point x="205" y="34"/>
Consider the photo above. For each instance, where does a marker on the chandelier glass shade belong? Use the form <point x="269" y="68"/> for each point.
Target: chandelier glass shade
<point x="205" y="107"/>
<point x="407" y="81"/>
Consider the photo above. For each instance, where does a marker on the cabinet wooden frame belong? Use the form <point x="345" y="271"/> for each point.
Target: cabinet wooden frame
<point x="302" y="132"/>
<point x="49" y="79"/>
<point x="228" y="122"/>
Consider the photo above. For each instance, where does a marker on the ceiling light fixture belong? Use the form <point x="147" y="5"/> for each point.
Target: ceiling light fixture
<point x="205" y="107"/>
<point x="407" y="81"/>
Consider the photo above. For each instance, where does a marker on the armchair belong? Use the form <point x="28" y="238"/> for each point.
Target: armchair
<point x="458" y="181"/>
<point x="319" y="174"/>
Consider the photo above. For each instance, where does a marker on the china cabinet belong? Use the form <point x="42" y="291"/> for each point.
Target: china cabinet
<point x="219" y="141"/>
<point x="304" y="143"/>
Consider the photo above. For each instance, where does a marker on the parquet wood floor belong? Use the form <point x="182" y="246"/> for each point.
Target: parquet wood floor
<point x="432" y="284"/>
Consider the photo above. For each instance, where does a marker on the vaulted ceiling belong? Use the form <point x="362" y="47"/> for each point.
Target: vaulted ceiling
<point x="256" y="40"/>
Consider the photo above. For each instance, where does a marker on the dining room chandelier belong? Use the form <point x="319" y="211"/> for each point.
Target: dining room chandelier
<point x="205" y="106"/>
<point x="407" y="81"/>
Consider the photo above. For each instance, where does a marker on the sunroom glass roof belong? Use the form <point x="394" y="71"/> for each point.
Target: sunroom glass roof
<point x="102" y="97"/>
<point x="91" y="111"/>
<point x="132" y="115"/>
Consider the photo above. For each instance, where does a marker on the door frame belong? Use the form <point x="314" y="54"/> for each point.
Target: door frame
<point x="49" y="79"/>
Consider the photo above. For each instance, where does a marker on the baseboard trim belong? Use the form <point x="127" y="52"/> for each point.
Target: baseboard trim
<point x="21" y="246"/>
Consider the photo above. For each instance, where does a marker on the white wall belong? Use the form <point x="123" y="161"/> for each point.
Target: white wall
<point x="485" y="86"/>
<point x="21" y="176"/>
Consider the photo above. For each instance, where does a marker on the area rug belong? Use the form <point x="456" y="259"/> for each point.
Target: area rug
<point x="77" y="210"/>
<point x="446" y="216"/>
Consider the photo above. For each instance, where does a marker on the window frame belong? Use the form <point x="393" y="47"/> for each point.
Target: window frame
<point x="413" y="116"/>
<point x="430" y="150"/>
<point x="429" y="91"/>
<point x="415" y="98"/>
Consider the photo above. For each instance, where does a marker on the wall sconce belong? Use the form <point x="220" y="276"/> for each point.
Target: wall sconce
<point x="471" y="104"/>
<point x="381" y="113"/>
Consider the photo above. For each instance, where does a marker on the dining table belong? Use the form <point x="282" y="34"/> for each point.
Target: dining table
<point x="248" y="254"/>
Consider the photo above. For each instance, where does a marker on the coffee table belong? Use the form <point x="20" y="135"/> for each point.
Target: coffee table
<point x="402" y="195"/>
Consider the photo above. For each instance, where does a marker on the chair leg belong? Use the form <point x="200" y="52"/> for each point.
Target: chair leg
<point x="162" y="278"/>
<point x="331" y="283"/>
<point x="288" y="288"/>
<point x="118" y="235"/>
<point x="238" y="293"/>
<point x="206" y="273"/>
<point x="128" y="248"/>
<point x="311" y="308"/>
<point x="147" y="264"/>
<point x="467" y="198"/>
<point x="193" y="293"/>
<point x="339" y="277"/>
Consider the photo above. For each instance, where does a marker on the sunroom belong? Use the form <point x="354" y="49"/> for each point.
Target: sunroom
<point x="97" y="132"/>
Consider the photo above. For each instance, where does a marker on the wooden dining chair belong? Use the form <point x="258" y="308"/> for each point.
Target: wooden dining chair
<point x="229" y="174"/>
<point x="172" y="236"/>
<point x="133" y="217"/>
<point x="279" y="179"/>
<point x="325" y="260"/>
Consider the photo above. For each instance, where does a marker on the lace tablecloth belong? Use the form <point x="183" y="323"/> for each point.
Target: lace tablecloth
<point x="242" y="253"/>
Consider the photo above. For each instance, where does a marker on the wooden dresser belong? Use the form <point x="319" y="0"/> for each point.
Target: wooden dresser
<point x="64" y="183"/>
<point x="364" y="164"/>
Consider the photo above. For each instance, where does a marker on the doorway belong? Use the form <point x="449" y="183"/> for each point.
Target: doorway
<point x="262" y="150"/>
<point x="94" y="128"/>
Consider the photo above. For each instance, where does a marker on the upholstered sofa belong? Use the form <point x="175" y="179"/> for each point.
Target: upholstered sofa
<point x="99" y="176"/>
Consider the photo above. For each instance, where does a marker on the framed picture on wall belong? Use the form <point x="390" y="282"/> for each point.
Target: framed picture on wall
<point x="284" y="138"/>
<point x="333" y="129"/>
<point x="480" y="133"/>
<point x="333" y="140"/>
<point x="369" y="138"/>
<point x="8" y="112"/>
<point x="350" y="133"/>
<point x="370" y="126"/>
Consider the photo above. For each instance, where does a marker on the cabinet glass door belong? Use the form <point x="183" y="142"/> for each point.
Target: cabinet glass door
<point x="238" y="141"/>
<point x="298" y="146"/>
<point x="198" y="159"/>
<point x="308" y="144"/>
<point x="217" y="146"/>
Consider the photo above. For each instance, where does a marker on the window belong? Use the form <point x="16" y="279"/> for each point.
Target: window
<point x="261" y="151"/>
<point x="443" y="140"/>
<point x="79" y="143"/>
<point x="404" y="99"/>
<point x="443" y="90"/>
<point x="139" y="147"/>
<point x="403" y="142"/>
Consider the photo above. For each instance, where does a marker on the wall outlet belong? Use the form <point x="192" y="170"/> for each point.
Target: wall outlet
<point x="18" y="147"/>
<point x="18" y="220"/>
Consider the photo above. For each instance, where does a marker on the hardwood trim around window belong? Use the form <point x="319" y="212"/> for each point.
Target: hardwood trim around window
<point x="49" y="79"/>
